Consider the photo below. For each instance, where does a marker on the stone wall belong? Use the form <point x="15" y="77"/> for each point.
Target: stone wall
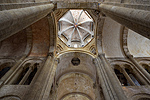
<point x="16" y="1"/>
<point x="129" y="1"/>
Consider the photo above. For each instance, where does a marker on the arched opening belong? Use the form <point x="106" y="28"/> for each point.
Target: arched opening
<point x="144" y="99"/>
<point x="10" y="97"/>
<point x="121" y="78"/>
<point x="31" y="76"/>
<point x="26" y="74"/>
<point x="24" y="71"/>
<point x="76" y="73"/>
<point x="4" y="68"/>
<point x="4" y="71"/>
<point x="131" y="74"/>
<point x="146" y="67"/>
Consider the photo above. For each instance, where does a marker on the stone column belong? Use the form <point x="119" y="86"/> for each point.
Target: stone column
<point x="135" y="19"/>
<point x="15" y="20"/>
<point x="139" y="78"/>
<point x="111" y="87"/>
<point x="26" y="76"/>
<point x="142" y="72"/>
<point x="50" y="79"/>
<point x="39" y="88"/>
<point x="128" y="77"/>
<point x="15" y="76"/>
<point x="7" y="77"/>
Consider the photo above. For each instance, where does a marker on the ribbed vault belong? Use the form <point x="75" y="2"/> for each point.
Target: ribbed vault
<point x="76" y="28"/>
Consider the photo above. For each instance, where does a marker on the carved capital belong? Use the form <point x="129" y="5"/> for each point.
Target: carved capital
<point x="51" y="54"/>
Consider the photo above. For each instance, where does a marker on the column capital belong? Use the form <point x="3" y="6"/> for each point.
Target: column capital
<point x="129" y="55"/>
<point x="51" y="54"/>
<point x="57" y="60"/>
<point x="101" y="54"/>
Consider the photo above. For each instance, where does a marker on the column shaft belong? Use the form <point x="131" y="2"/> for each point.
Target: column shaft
<point x="144" y="74"/>
<point x="128" y="77"/>
<point x="45" y="77"/>
<point x="139" y="78"/>
<point x="135" y="19"/>
<point x="25" y="76"/>
<point x="6" y="78"/>
<point x="104" y="81"/>
<point x="47" y="86"/>
<point x="113" y="80"/>
<point x="15" y="76"/>
<point x="15" y="20"/>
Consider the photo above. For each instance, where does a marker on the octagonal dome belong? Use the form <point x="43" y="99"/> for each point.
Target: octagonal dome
<point x="76" y="28"/>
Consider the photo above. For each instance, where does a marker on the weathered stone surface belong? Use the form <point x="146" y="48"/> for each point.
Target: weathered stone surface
<point x="18" y="19"/>
<point x="111" y="38"/>
<point x="8" y="6"/>
<point x="143" y="48"/>
<point x="61" y="78"/>
<point x="41" y="38"/>
<point x="137" y="92"/>
<point x="14" y="45"/>
<point x="76" y="5"/>
<point x="15" y="1"/>
<point x="137" y="20"/>
<point x="12" y="91"/>
<point x="130" y="5"/>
